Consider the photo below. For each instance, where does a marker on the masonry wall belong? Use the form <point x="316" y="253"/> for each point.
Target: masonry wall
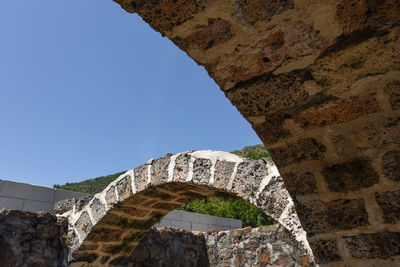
<point x="32" y="239"/>
<point x="264" y="246"/>
<point x="40" y="239"/>
<point x="27" y="197"/>
<point x="319" y="81"/>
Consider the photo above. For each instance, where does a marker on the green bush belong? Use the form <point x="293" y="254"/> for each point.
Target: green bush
<point x="230" y="207"/>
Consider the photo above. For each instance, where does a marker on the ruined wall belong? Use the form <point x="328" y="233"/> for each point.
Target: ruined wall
<point x="113" y="222"/>
<point x="39" y="239"/>
<point x="32" y="239"/>
<point x="265" y="246"/>
<point x="319" y="81"/>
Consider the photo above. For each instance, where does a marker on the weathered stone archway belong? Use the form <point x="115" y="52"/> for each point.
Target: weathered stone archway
<point x="319" y="81"/>
<point x="111" y="224"/>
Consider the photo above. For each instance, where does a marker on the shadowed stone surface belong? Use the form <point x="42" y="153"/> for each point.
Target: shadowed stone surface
<point x="325" y="251"/>
<point x="389" y="203"/>
<point x="32" y="239"/>
<point x="381" y="245"/>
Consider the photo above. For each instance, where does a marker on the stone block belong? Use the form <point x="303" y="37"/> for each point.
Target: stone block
<point x="159" y="170"/>
<point x="256" y="10"/>
<point x="274" y="198"/>
<point x="393" y="91"/>
<point x="258" y="96"/>
<point x="98" y="209"/>
<point x="350" y="176"/>
<point x="248" y="178"/>
<point x="111" y="197"/>
<point x="32" y="205"/>
<point x="391" y="165"/>
<point x="26" y="191"/>
<point x="381" y="245"/>
<point x="201" y="171"/>
<point x="389" y="202"/>
<point x="124" y="188"/>
<point x="339" y="112"/>
<point x="300" y="183"/>
<point x="11" y="203"/>
<point x="141" y="177"/>
<point x="298" y="151"/>
<point x="223" y="173"/>
<point x="217" y="31"/>
<point x="181" y="169"/>
<point x="271" y="130"/>
<point x="83" y="225"/>
<point x="318" y="217"/>
<point x="325" y="251"/>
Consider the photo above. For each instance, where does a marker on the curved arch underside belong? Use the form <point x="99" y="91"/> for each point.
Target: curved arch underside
<point x="319" y="81"/>
<point x="115" y="220"/>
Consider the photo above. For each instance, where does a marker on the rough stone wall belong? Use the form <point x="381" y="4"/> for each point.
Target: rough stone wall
<point x="112" y="223"/>
<point x="38" y="239"/>
<point x="264" y="246"/>
<point x="319" y="81"/>
<point x="32" y="239"/>
<point x="270" y="245"/>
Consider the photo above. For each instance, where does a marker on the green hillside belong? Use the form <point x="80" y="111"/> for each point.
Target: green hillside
<point x="91" y="186"/>
<point x="226" y="207"/>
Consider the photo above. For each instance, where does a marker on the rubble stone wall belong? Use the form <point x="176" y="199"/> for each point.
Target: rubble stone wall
<point x="264" y="246"/>
<point x="32" y="239"/>
<point x="319" y="81"/>
<point x="109" y="226"/>
<point x="39" y="239"/>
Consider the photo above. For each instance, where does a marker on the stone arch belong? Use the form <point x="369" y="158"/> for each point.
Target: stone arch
<point x="319" y="82"/>
<point x="113" y="221"/>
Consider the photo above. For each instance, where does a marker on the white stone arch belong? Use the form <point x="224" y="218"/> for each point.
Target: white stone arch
<point x="112" y="223"/>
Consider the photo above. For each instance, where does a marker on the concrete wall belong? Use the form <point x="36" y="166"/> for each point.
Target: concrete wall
<point x="33" y="198"/>
<point x="26" y="197"/>
<point x="197" y="222"/>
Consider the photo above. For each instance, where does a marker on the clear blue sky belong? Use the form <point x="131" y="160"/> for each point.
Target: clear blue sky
<point x="87" y="90"/>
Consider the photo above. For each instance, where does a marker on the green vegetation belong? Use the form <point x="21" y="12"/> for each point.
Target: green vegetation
<point x="230" y="207"/>
<point x="223" y="206"/>
<point x="67" y="239"/>
<point x="91" y="186"/>
<point x="253" y="152"/>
